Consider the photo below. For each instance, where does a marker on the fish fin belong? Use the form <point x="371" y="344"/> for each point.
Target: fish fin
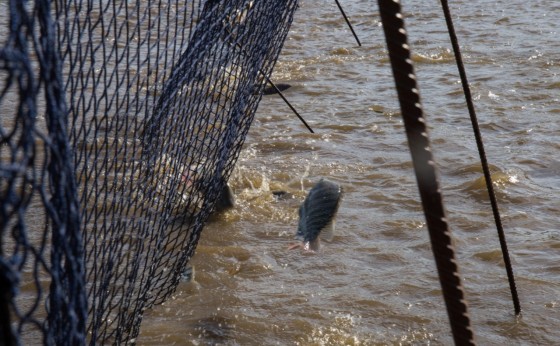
<point x="313" y="245"/>
<point x="188" y="274"/>
<point x="327" y="233"/>
<point x="294" y="246"/>
<point x="226" y="199"/>
<point x="302" y="229"/>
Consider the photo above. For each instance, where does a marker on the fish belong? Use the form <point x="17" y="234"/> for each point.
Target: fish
<point x="215" y="330"/>
<point x="270" y="90"/>
<point x="317" y="215"/>
<point x="226" y="199"/>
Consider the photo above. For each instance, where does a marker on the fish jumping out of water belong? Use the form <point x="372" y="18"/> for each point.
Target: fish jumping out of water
<point x="317" y="215"/>
<point x="225" y="198"/>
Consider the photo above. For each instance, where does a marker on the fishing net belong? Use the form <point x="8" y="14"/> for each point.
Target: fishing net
<point x="120" y="124"/>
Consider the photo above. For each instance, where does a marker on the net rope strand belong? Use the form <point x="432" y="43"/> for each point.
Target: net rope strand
<point x="425" y="170"/>
<point x="482" y="154"/>
<point x="67" y="304"/>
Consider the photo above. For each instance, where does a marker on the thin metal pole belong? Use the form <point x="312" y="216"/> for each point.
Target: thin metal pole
<point x="483" y="160"/>
<point x="287" y="102"/>
<point x="348" y="22"/>
<point x="276" y="89"/>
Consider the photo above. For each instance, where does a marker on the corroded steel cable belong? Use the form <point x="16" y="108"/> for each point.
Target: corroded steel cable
<point x="424" y="167"/>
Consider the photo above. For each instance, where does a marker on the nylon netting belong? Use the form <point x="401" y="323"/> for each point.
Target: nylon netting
<point x="121" y="123"/>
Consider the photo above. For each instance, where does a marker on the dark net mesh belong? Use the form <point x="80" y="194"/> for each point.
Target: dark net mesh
<point x="121" y="123"/>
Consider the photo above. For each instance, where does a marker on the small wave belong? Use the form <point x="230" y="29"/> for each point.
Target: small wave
<point x="493" y="256"/>
<point x="439" y="57"/>
<point x="500" y="180"/>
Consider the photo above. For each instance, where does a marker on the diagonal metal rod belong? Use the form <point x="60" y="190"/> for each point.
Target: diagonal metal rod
<point x="483" y="161"/>
<point x="276" y="89"/>
<point x="348" y="22"/>
<point x="287" y="102"/>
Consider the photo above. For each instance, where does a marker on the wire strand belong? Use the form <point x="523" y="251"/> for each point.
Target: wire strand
<point x="481" y="151"/>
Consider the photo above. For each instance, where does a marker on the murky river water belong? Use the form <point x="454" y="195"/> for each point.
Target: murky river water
<point x="376" y="282"/>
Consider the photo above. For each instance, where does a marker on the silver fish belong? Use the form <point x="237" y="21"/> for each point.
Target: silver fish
<point x="317" y="215"/>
